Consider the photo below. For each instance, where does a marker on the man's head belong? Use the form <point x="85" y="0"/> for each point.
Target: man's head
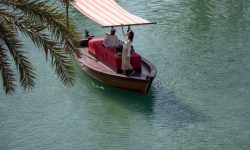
<point x="130" y="35"/>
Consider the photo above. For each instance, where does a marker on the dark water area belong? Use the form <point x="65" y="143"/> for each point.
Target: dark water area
<point x="199" y="99"/>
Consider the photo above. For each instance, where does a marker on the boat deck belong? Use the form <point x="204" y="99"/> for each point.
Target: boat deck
<point x="88" y="60"/>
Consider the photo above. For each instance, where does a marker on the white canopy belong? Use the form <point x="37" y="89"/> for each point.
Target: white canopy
<point x="107" y="13"/>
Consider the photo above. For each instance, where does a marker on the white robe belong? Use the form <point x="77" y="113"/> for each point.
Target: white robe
<point x="126" y="53"/>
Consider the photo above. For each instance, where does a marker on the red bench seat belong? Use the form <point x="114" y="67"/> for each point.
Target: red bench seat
<point x="109" y="56"/>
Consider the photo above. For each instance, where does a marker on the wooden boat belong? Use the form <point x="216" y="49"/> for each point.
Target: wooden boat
<point x="98" y="67"/>
<point x="139" y="82"/>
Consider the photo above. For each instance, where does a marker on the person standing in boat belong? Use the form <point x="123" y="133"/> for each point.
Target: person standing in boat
<point x="111" y="39"/>
<point x="126" y="52"/>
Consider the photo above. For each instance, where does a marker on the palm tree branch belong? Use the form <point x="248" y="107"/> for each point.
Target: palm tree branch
<point x="41" y="40"/>
<point x="40" y="11"/>
<point x="7" y="73"/>
<point x="47" y="27"/>
<point x="19" y="20"/>
<point x="60" y="60"/>
<point x="27" y="75"/>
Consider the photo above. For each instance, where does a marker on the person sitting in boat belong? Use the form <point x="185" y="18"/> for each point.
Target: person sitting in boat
<point x="126" y="52"/>
<point x="111" y="39"/>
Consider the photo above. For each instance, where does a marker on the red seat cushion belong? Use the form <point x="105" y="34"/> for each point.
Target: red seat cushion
<point x="135" y="60"/>
<point x="109" y="57"/>
<point x="94" y="43"/>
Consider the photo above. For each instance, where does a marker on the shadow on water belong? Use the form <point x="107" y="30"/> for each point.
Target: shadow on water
<point x="162" y="105"/>
<point x="170" y="110"/>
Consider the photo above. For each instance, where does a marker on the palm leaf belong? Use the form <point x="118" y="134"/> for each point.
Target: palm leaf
<point x="47" y="27"/>
<point x="9" y="39"/>
<point x="60" y="60"/>
<point x="6" y="72"/>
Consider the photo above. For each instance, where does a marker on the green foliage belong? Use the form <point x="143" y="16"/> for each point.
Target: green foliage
<point x="47" y="27"/>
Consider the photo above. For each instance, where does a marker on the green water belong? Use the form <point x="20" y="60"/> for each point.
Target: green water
<point x="199" y="99"/>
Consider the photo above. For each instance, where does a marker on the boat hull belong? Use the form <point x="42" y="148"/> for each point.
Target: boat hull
<point x="140" y="86"/>
<point x="95" y="68"/>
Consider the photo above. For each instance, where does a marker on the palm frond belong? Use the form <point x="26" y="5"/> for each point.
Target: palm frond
<point x="40" y="11"/>
<point x="47" y="27"/>
<point x="63" y="66"/>
<point x="7" y="73"/>
<point x="59" y="60"/>
<point x="9" y="38"/>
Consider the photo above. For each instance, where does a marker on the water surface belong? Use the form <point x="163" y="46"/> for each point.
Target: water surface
<point x="199" y="99"/>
